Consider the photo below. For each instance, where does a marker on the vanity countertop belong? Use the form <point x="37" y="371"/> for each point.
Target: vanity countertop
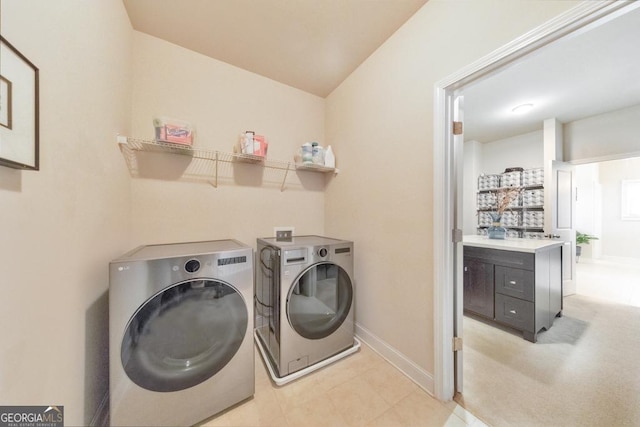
<point x="513" y="244"/>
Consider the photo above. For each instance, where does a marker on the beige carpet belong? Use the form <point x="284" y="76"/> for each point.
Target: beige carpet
<point x="584" y="371"/>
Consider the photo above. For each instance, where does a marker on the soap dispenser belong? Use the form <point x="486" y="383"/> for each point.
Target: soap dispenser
<point x="329" y="158"/>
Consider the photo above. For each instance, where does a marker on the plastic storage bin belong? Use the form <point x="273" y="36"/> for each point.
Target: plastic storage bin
<point x="173" y="131"/>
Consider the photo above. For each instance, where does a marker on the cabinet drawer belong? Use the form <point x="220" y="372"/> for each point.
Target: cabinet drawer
<point x="515" y="312"/>
<point x="515" y="282"/>
<point x="513" y="259"/>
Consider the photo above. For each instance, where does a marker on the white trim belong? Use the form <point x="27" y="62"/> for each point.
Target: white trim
<point x="574" y="19"/>
<point x="569" y="22"/>
<point x="619" y="156"/>
<point x="443" y="250"/>
<point x="414" y="372"/>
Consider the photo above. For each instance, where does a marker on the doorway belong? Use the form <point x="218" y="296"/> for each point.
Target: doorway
<point x="608" y="265"/>
<point x="446" y="166"/>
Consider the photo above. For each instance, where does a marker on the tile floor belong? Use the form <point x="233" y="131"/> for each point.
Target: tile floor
<point x="360" y="390"/>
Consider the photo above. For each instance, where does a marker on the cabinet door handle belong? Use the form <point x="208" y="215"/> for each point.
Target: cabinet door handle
<point x="512" y="282"/>
<point x="512" y="311"/>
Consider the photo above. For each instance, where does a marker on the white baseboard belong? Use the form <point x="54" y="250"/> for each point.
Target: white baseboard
<point x="414" y="372"/>
<point x="101" y="417"/>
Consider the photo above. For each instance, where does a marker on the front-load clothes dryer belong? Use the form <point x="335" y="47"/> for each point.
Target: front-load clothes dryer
<point x="180" y="332"/>
<point x="304" y="301"/>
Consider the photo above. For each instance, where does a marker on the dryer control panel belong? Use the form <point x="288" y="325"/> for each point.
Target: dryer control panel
<point x="295" y="256"/>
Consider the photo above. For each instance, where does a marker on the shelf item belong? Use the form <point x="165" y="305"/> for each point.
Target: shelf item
<point x="533" y="177"/>
<point x="173" y="131"/>
<point x="488" y="182"/>
<point x="210" y="159"/>
<point x="511" y="179"/>
<point x="525" y="215"/>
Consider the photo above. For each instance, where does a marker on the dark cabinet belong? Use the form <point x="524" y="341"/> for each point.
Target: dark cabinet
<point x="522" y="290"/>
<point x="478" y="287"/>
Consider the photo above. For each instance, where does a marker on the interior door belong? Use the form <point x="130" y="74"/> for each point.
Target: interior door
<point x="458" y="254"/>
<point x="562" y="209"/>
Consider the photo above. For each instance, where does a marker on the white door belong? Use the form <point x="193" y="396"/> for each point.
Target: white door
<point x="458" y="161"/>
<point x="562" y="211"/>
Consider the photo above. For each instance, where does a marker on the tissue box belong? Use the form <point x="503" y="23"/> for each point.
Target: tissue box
<point x="173" y="131"/>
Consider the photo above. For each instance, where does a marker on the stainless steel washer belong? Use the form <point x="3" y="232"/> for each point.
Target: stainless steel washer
<point x="304" y="301"/>
<point x="180" y="332"/>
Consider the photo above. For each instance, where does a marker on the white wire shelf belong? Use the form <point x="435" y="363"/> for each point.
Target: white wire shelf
<point x="208" y="159"/>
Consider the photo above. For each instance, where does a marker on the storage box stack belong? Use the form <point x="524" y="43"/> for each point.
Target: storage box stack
<point x="487" y="200"/>
<point x="482" y="232"/>
<point x="511" y="179"/>
<point x="511" y="219"/>
<point x="513" y="234"/>
<point x="516" y="202"/>
<point x="488" y="182"/>
<point x="533" y="177"/>
<point x="484" y="219"/>
<point x="533" y="219"/>
<point x="533" y="198"/>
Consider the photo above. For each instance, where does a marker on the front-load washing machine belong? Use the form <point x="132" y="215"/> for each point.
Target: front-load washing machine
<point x="303" y="302"/>
<point x="180" y="332"/>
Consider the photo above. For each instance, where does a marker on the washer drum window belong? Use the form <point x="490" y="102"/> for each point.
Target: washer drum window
<point x="319" y="301"/>
<point x="184" y="335"/>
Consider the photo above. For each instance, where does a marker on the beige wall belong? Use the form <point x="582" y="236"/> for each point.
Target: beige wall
<point x="221" y="101"/>
<point x="380" y="123"/>
<point x="60" y="226"/>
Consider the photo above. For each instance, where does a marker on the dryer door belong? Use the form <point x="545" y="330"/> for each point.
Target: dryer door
<point x="184" y="335"/>
<point x="319" y="300"/>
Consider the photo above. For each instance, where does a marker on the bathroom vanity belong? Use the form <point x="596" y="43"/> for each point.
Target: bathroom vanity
<point x="514" y="282"/>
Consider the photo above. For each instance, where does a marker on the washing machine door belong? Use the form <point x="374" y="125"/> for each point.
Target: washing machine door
<point x="184" y="335"/>
<point x="319" y="300"/>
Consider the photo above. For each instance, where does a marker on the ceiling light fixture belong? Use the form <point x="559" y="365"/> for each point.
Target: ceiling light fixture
<point x="523" y="108"/>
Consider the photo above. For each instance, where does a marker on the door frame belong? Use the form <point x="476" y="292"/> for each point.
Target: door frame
<point x="578" y="18"/>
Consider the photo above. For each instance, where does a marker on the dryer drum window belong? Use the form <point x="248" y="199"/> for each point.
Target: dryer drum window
<point x="319" y="300"/>
<point x="184" y="335"/>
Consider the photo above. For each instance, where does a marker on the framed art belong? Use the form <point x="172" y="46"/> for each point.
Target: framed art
<point x="19" y="109"/>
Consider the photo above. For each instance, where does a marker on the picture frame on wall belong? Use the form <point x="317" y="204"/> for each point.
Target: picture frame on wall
<point x="19" y="109"/>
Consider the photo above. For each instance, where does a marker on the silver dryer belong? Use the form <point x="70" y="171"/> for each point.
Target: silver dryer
<point x="304" y="300"/>
<point x="180" y="332"/>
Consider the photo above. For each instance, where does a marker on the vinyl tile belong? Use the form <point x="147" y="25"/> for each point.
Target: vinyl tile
<point x="361" y="390"/>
